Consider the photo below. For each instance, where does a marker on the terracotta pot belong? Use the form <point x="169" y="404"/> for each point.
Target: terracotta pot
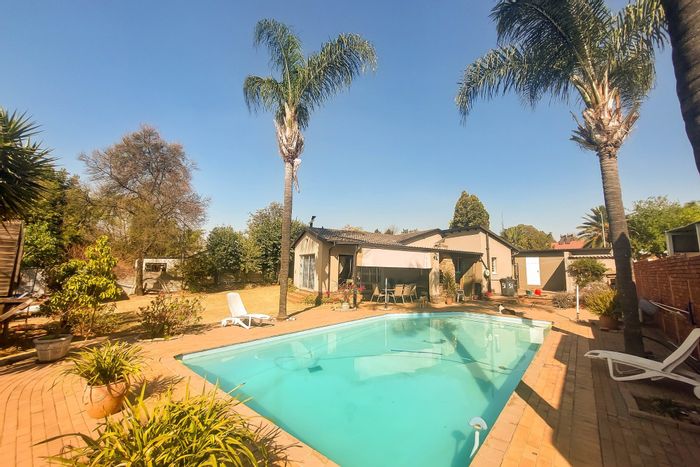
<point x="53" y="347"/>
<point x="449" y="300"/>
<point x="101" y="401"/>
<point x="608" y="322"/>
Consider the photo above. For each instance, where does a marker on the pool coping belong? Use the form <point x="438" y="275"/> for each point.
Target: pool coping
<point x="310" y="456"/>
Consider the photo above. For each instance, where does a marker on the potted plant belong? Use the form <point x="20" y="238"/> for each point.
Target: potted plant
<point x="107" y="370"/>
<point x="605" y="305"/>
<point x="450" y="288"/>
<point x="350" y="294"/>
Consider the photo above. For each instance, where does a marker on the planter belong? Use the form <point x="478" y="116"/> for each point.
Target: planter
<point x="101" y="401"/>
<point x="53" y="347"/>
<point x="345" y="306"/>
<point x="608" y="322"/>
<point x="449" y="300"/>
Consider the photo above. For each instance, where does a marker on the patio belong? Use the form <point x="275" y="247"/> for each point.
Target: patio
<point x="566" y="411"/>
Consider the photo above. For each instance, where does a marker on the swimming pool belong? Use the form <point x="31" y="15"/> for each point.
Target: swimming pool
<point x="395" y="390"/>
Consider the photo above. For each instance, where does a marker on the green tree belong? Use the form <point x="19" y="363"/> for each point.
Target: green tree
<point x="80" y="288"/>
<point x="469" y="212"/>
<point x="683" y="30"/>
<point x="24" y="165"/>
<point x="566" y="48"/>
<point x="225" y="251"/>
<point x="595" y="228"/>
<point x="527" y="237"/>
<point x="42" y="249"/>
<point x="586" y="270"/>
<point x="265" y="230"/>
<point x="305" y="84"/>
<point x="652" y="217"/>
<point x="144" y="184"/>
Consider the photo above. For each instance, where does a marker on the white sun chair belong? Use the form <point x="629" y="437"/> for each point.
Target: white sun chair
<point x="650" y="369"/>
<point x="239" y="315"/>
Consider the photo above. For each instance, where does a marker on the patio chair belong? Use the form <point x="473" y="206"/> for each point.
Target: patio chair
<point x="409" y="291"/>
<point x="239" y="315"/>
<point x="651" y="369"/>
<point x="397" y="293"/>
<point x="376" y="293"/>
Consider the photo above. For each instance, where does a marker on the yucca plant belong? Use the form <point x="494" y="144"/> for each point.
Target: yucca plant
<point x="24" y="165"/>
<point x="197" y="430"/>
<point x="108" y="363"/>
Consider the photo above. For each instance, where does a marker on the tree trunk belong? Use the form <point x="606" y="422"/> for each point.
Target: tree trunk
<point x="683" y="17"/>
<point x="622" y="251"/>
<point x="286" y="240"/>
<point x="138" y="286"/>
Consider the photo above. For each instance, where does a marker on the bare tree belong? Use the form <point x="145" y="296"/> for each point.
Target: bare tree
<point x="145" y="185"/>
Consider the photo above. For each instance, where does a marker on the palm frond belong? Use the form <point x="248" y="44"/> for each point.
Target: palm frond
<point x="263" y="93"/>
<point x="497" y="72"/>
<point x="25" y="167"/>
<point x="283" y="45"/>
<point x="334" y="67"/>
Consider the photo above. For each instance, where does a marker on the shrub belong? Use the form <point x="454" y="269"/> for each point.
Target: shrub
<point x="79" y="288"/>
<point x="586" y="270"/>
<point x="604" y="303"/>
<point x="450" y="284"/>
<point x="167" y="316"/>
<point x="197" y="430"/>
<point x="197" y="272"/>
<point x="107" y="363"/>
<point x="592" y="289"/>
<point x="564" y="300"/>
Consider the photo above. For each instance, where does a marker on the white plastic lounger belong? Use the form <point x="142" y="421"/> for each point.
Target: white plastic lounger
<point x="650" y="369"/>
<point x="239" y="315"/>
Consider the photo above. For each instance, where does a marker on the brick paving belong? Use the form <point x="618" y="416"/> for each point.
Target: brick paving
<point x="566" y="411"/>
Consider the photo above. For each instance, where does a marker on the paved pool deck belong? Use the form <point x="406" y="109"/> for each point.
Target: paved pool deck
<point x="566" y="410"/>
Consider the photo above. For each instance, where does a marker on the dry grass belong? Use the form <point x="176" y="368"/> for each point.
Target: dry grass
<point x="257" y="300"/>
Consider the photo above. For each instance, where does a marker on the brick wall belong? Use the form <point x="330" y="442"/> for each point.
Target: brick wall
<point x="673" y="281"/>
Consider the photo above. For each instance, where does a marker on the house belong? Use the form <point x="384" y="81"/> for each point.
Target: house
<point x="568" y="242"/>
<point x="326" y="258"/>
<point x="684" y="239"/>
<point x="548" y="269"/>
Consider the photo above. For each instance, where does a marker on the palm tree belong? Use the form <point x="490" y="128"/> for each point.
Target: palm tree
<point x="305" y="83"/>
<point x="25" y="167"/>
<point x="683" y="17"/>
<point x="595" y="229"/>
<point x="565" y="48"/>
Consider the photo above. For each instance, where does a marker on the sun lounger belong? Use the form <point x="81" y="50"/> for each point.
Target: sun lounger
<point x="650" y="369"/>
<point x="239" y="315"/>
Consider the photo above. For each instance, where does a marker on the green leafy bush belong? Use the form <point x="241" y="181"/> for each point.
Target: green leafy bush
<point x="108" y="363"/>
<point x="167" y="315"/>
<point x="604" y="303"/>
<point x="564" y="300"/>
<point x="197" y="272"/>
<point x="197" y="430"/>
<point x="586" y="270"/>
<point x="80" y="288"/>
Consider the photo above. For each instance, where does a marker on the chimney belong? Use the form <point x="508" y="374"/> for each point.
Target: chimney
<point x="313" y="218"/>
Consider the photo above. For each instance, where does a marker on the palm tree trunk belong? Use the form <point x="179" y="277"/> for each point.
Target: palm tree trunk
<point x="138" y="286"/>
<point x="622" y="250"/>
<point x="683" y="17"/>
<point x="286" y="240"/>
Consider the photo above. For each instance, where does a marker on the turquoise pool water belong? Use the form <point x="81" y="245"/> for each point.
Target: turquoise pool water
<point x="395" y="390"/>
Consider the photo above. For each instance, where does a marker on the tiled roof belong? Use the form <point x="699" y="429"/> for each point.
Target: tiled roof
<point x="355" y="237"/>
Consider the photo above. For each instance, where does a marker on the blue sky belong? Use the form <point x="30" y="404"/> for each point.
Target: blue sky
<point x="391" y="150"/>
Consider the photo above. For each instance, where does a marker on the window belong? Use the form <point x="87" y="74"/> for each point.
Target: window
<point x="155" y="267"/>
<point x="308" y="271"/>
<point x="493" y="266"/>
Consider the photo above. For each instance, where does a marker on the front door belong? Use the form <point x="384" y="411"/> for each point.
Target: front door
<point x="344" y="268"/>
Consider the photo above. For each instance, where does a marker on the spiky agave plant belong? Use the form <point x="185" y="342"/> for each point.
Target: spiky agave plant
<point x="304" y="84"/>
<point x="25" y="167"/>
<point x="579" y="48"/>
